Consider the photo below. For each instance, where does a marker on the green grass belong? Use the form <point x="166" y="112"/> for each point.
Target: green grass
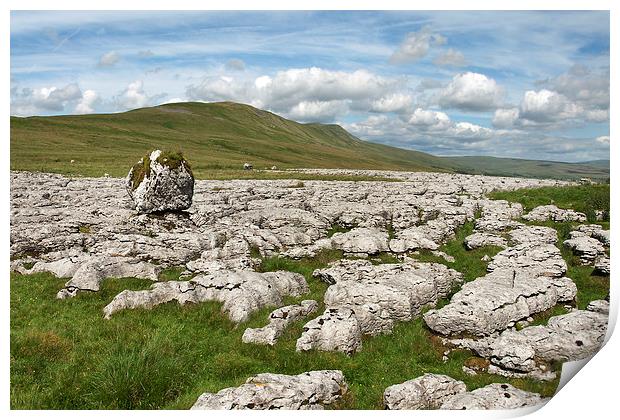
<point x="467" y="262"/>
<point x="218" y="138"/>
<point x="64" y="355"/>
<point x="582" y="198"/>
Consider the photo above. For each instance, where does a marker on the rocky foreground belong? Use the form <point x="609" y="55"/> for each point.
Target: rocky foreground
<point x="88" y="230"/>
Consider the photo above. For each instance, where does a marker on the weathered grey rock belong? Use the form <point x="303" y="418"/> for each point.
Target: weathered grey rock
<point x="361" y="240"/>
<point x="269" y="391"/>
<point x="493" y="397"/>
<point x="573" y="336"/>
<point x="600" y="306"/>
<point x="163" y="187"/>
<point x="279" y="320"/>
<point x="539" y="260"/>
<point x="336" y="330"/>
<point x="553" y="213"/>
<point x="533" y="235"/>
<point x="480" y="239"/>
<point x="376" y="296"/>
<point x="241" y="292"/>
<point x="93" y="271"/>
<point x="528" y="352"/>
<point x="595" y="231"/>
<point x="586" y="247"/>
<point x="426" y="392"/>
<point x="602" y="266"/>
<point x="495" y="301"/>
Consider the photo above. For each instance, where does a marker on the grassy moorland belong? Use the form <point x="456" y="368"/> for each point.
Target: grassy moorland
<point x="65" y="355"/>
<point x="218" y="138"/>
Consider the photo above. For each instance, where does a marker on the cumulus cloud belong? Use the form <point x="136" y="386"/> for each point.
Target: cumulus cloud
<point x="547" y="106"/>
<point x="87" y="102"/>
<point x="109" y="59"/>
<point x="451" y="57"/>
<point x="305" y="91"/>
<point x="134" y="96"/>
<point x="603" y="139"/>
<point x="430" y="120"/>
<point x="416" y="45"/>
<point x="28" y="101"/>
<point x="317" y="110"/>
<point x="471" y="92"/>
<point x="235" y="64"/>
<point x="395" y="102"/>
<point x="505" y="117"/>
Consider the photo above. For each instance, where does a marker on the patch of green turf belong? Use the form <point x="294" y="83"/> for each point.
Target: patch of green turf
<point x="583" y="198"/>
<point x="337" y="229"/>
<point x="467" y="262"/>
<point x="171" y="273"/>
<point x="65" y="355"/>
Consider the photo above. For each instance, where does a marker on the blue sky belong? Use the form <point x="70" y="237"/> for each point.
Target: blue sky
<point x="512" y="84"/>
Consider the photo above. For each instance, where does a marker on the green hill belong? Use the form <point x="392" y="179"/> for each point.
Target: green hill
<point x="220" y="137"/>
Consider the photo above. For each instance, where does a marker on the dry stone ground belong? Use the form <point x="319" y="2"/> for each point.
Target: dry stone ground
<point x="87" y="230"/>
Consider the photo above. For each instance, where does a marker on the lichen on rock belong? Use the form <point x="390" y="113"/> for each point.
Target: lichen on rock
<point x="161" y="181"/>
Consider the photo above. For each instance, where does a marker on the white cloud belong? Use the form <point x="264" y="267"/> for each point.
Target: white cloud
<point x="40" y="100"/>
<point x="465" y="130"/>
<point x="307" y="91"/>
<point x="471" y="92"/>
<point x="430" y="120"/>
<point x="394" y="102"/>
<point x="450" y="58"/>
<point x="86" y="104"/>
<point x="109" y="59"/>
<point x="416" y="45"/>
<point x="603" y="139"/>
<point x="505" y="117"/>
<point x="134" y="96"/>
<point x="318" y="110"/>
<point x="547" y="106"/>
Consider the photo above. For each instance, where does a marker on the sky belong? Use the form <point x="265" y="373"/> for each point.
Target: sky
<point x="531" y="85"/>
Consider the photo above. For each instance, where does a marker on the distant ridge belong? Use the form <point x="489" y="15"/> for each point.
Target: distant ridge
<point x="224" y="135"/>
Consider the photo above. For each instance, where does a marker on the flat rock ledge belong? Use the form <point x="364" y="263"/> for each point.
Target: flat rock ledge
<point x="432" y="391"/>
<point x="555" y="214"/>
<point x="279" y="320"/>
<point x="588" y="242"/>
<point x="528" y="352"/>
<point x="426" y="392"/>
<point x="523" y="280"/>
<point x="269" y="391"/>
<point x="366" y="299"/>
<point x="87" y="273"/>
<point x="241" y="292"/>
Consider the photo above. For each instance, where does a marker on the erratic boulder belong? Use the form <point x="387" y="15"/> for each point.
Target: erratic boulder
<point x="161" y="181"/>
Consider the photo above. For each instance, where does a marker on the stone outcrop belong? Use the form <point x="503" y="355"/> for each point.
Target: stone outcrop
<point x="241" y="292"/>
<point x="279" y="320"/>
<point x="361" y="241"/>
<point x="530" y="351"/>
<point x="498" y="300"/>
<point x="586" y="247"/>
<point x="432" y="391"/>
<point x="426" y="392"/>
<point x="88" y="274"/>
<point x="555" y="214"/>
<point x="160" y="182"/>
<point x="269" y="391"/>
<point x="367" y="299"/>
<point x="493" y="397"/>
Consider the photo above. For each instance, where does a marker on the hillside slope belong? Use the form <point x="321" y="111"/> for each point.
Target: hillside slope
<point x="222" y="136"/>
